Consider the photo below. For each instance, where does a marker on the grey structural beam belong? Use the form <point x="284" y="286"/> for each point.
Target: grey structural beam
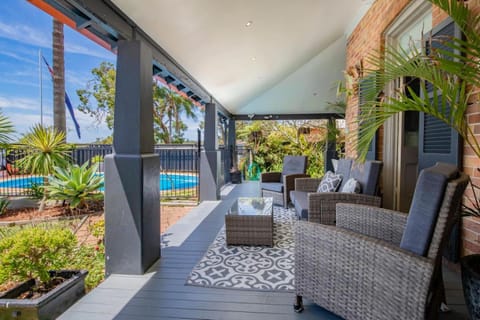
<point x="298" y="116"/>
<point x="132" y="195"/>
<point x="230" y="161"/>
<point x="210" y="157"/>
<point x="331" y="147"/>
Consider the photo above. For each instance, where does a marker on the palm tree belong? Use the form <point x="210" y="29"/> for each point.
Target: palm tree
<point x="59" y="120"/>
<point x="47" y="150"/>
<point x="453" y="73"/>
<point x="6" y="129"/>
<point x="170" y="105"/>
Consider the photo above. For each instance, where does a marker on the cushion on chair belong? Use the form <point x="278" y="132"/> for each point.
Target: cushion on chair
<point x="367" y="174"/>
<point x="351" y="186"/>
<point x="343" y="167"/>
<point x="426" y="202"/>
<point x="294" y="165"/>
<point x="272" y="186"/>
<point x="301" y="203"/>
<point x="330" y="182"/>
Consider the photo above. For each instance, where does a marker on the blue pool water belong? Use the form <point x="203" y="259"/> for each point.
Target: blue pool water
<point x="167" y="182"/>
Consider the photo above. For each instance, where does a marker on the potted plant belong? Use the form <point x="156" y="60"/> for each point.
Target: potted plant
<point x="35" y="258"/>
<point x="452" y="73"/>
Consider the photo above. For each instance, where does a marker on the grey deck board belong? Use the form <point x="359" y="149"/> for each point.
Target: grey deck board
<point x="162" y="293"/>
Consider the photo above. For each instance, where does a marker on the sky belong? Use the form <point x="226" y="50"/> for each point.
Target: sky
<point x="25" y="31"/>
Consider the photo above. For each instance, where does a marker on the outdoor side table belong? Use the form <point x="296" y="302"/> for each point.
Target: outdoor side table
<point x="250" y="222"/>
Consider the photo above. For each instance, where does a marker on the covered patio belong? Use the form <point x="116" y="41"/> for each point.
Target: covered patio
<point x="252" y="61"/>
<point x="162" y="294"/>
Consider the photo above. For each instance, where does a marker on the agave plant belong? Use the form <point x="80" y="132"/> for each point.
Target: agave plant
<point x="47" y="149"/>
<point x="75" y="184"/>
<point x="453" y="72"/>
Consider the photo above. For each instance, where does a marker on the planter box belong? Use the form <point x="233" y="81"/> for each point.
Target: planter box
<point x="48" y="306"/>
<point x="236" y="177"/>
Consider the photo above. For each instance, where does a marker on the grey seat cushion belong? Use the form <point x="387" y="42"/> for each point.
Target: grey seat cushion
<point x="300" y="202"/>
<point x="426" y="203"/>
<point x="272" y="186"/>
<point x="367" y="175"/>
<point x="343" y="168"/>
<point x="294" y="165"/>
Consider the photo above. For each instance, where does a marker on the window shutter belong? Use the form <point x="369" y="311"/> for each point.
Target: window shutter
<point x="372" y="148"/>
<point x="438" y="142"/>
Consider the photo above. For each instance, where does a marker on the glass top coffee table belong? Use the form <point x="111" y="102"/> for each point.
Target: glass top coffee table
<point x="250" y="222"/>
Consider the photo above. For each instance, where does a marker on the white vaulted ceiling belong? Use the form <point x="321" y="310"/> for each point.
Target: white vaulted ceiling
<point x="285" y="61"/>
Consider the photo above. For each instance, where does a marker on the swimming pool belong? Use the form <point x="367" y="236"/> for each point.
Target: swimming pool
<point x="167" y="182"/>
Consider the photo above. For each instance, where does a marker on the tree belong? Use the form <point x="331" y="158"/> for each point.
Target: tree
<point x="453" y="76"/>
<point x="168" y="106"/>
<point x="98" y="100"/>
<point x="6" y="130"/>
<point x="101" y="89"/>
<point x="59" y="120"/>
<point x="270" y="141"/>
<point x="46" y="149"/>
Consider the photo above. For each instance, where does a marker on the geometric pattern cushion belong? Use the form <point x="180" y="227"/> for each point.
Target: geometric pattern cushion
<point x="351" y="186"/>
<point x="330" y="182"/>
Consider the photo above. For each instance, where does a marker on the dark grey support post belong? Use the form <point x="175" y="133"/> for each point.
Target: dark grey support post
<point x="331" y="147"/>
<point x="210" y="157"/>
<point x="231" y="142"/>
<point x="132" y="196"/>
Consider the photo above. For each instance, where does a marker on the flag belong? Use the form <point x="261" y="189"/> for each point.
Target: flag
<point x="67" y="102"/>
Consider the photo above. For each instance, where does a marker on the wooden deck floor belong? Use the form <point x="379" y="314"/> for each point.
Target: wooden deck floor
<point x="162" y="293"/>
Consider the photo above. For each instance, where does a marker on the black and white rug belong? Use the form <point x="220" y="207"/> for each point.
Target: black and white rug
<point x="247" y="267"/>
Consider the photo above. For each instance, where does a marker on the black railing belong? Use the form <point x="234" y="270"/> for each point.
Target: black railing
<point x="179" y="169"/>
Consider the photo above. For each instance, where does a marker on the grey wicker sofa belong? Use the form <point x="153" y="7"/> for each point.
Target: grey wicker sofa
<point x="279" y="184"/>
<point x="367" y="268"/>
<point x="319" y="207"/>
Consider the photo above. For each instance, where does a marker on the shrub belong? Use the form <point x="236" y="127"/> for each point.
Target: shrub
<point x="3" y="205"/>
<point x="91" y="258"/>
<point x="75" y="184"/>
<point x="37" y="190"/>
<point x="32" y="252"/>
<point x="98" y="229"/>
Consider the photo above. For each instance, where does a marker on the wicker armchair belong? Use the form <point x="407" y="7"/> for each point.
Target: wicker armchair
<point x="319" y="207"/>
<point x="358" y="269"/>
<point x="279" y="184"/>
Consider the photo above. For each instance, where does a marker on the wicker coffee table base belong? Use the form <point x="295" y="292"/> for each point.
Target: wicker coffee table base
<point x="249" y="230"/>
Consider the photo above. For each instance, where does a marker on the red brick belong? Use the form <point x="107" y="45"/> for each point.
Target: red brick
<point x="469" y="235"/>
<point x="471" y="223"/>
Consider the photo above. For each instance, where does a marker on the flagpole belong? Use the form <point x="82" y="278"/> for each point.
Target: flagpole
<point x="41" y="84"/>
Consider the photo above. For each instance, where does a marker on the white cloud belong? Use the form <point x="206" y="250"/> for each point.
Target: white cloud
<point x="18" y="103"/>
<point x="17" y="56"/>
<point x="78" y="49"/>
<point x="35" y="37"/>
<point x="77" y="79"/>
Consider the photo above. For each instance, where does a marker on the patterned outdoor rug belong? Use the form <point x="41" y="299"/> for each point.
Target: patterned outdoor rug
<point x="246" y="267"/>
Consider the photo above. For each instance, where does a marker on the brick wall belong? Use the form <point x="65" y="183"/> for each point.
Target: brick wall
<point x="471" y="166"/>
<point x="367" y="38"/>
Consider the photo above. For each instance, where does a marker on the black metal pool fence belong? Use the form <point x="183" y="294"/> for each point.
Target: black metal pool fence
<point x="179" y="168"/>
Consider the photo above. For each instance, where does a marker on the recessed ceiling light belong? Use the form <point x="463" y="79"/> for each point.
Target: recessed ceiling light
<point x="253" y="59"/>
<point x="248" y="24"/>
<point x="315" y="94"/>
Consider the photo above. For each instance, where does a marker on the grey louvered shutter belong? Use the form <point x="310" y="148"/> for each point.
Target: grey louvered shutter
<point x="438" y="142"/>
<point x="372" y="148"/>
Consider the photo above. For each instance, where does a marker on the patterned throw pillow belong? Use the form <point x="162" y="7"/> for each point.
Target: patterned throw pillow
<point x="330" y="182"/>
<point x="351" y="186"/>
